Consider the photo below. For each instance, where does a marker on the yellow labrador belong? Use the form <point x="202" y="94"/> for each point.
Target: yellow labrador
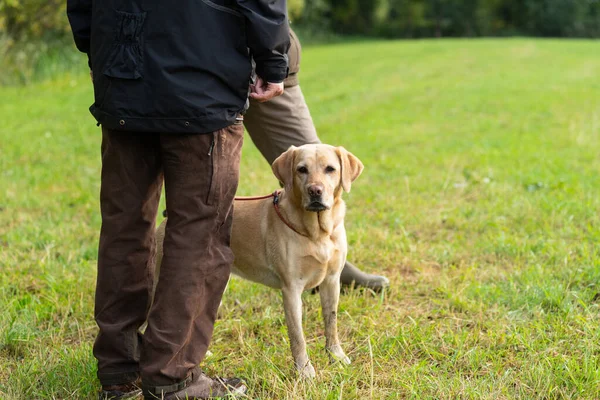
<point x="296" y="239"/>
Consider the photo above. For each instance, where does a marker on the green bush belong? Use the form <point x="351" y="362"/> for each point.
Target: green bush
<point x="314" y="24"/>
<point x="26" y="61"/>
<point x="437" y="18"/>
<point x="353" y="16"/>
<point x="33" y="19"/>
<point x="563" y="17"/>
<point x="295" y="8"/>
<point x="35" y="40"/>
<point x="404" y="18"/>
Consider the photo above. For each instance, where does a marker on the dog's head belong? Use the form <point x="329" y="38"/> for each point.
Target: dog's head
<point x="317" y="173"/>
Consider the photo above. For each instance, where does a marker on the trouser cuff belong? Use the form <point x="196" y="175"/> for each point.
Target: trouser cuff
<point x="157" y="392"/>
<point x="118" y="378"/>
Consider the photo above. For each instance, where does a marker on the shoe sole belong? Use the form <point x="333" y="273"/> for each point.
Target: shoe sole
<point x="127" y="396"/>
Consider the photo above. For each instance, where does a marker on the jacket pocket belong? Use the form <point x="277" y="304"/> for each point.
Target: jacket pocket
<point x="126" y="59"/>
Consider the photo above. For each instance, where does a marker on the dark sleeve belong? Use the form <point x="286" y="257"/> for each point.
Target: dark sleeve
<point x="268" y="36"/>
<point x="80" y="18"/>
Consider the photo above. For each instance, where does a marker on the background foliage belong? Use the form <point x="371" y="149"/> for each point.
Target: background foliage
<point x="43" y="19"/>
<point x="437" y="18"/>
<point x="35" y="39"/>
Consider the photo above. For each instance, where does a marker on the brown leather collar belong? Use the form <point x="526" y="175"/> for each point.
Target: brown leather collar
<point x="276" y="205"/>
<point x="275" y="196"/>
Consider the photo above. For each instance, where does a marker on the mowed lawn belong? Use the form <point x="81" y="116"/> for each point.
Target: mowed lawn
<point x="479" y="200"/>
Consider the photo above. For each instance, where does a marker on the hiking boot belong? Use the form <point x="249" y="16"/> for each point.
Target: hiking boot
<point x="127" y="391"/>
<point x="201" y="386"/>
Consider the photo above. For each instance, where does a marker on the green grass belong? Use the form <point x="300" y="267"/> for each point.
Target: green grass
<point x="479" y="200"/>
<point x="26" y="61"/>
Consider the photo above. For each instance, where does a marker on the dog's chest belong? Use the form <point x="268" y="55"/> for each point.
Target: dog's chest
<point x="323" y="259"/>
<point x="325" y="251"/>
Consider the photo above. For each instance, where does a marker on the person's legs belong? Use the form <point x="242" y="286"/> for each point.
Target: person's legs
<point x="279" y="123"/>
<point x="130" y="191"/>
<point x="201" y="176"/>
<point x="284" y="121"/>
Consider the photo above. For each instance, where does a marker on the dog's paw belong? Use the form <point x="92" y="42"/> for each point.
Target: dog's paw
<point x="307" y="371"/>
<point x="336" y="354"/>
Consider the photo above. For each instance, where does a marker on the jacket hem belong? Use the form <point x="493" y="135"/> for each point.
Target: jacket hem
<point x="197" y="125"/>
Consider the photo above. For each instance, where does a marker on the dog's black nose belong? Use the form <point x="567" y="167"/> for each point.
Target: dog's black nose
<point x="315" y="190"/>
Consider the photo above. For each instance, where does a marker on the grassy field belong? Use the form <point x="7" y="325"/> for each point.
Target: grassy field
<point x="479" y="200"/>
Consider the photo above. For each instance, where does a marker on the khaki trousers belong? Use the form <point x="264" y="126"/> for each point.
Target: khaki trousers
<point x="279" y="123"/>
<point x="201" y="174"/>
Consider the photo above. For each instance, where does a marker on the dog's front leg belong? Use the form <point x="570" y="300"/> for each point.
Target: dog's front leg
<point x="330" y="295"/>
<point x="292" y="305"/>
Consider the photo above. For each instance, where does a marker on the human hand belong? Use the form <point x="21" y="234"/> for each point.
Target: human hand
<point x="263" y="91"/>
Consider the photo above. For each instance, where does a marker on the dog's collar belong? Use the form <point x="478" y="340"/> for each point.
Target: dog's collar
<point x="275" y="195"/>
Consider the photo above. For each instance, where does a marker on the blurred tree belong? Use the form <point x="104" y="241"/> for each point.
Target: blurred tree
<point x="35" y="40"/>
<point x="488" y="19"/>
<point x="440" y="15"/>
<point x="33" y="19"/>
<point x="353" y="16"/>
<point x="401" y="18"/>
<point x="589" y="25"/>
<point x="295" y="8"/>
<point x="561" y="17"/>
<point x="38" y="18"/>
<point x="35" y="31"/>
<point x="315" y="22"/>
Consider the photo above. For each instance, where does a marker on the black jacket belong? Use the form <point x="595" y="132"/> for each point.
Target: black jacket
<point x="177" y="66"/>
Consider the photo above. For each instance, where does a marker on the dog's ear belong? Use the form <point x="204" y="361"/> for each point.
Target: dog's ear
<point x="352" y="167"/>
<point x="283" y="167"/>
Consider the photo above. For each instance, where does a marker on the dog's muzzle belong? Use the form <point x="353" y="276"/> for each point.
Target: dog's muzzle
<point x="316" y="205"/>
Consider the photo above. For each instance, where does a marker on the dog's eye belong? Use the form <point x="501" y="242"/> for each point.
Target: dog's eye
<point x="302" y="170"/>
<point x="329" y="169"/>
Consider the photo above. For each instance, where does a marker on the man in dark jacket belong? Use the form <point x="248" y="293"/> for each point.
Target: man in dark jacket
<point x="171" y="82"/>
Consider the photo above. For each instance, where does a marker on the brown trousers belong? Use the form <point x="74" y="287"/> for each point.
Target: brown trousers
<point x="201" y="175"/>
